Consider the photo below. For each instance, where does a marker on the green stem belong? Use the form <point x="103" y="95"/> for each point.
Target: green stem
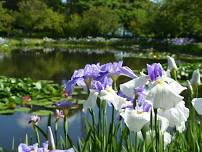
<point x="56" y="136"/>
<point x="100" y="118"/>
<point x="65" y="130"/>
<point x="36" y="134"/>
<point x="156" y="129"/>
<point x="174" y="74"/>
<point x="136" y="142"/>
<point x="111" y="132"/>
<point x="114" y="85"/>
<point x="104" y="123"/>
<point x="196" y="91"/>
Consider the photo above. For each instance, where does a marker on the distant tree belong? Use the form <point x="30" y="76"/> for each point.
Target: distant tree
<point x="53" y="23"/>
<point x="73" y="26"/>
<point x="31" y="15"/>
<point x="6" y="20"/>
<point x="35" y="16"/>
<point x="139" y="24"/>
<point x="99" y="21"/>
<point x="178" y="18"/>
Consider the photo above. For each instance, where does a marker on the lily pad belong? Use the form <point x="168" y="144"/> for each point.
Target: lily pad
<point x="42" y="112"/>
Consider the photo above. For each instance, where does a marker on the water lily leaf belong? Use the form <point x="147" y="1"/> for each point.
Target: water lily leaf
<point x="43" y="102"/>
<point x="2" y="106"/>
<point x="38" y="85"/>
<point x="7" y="111"/>
<point x="42" y="112"/>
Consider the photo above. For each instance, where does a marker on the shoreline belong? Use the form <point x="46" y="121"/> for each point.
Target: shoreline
<point x="9" y="44"/>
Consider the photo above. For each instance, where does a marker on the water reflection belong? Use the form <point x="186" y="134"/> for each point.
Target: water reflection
<point x="16" y="126"/>
<point x="59" y="64"/>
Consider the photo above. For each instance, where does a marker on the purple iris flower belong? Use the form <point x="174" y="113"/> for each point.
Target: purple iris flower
<point x="24" y="148"/>
<point x="82" y="77"/>
<point x="146" y="106"/>
<point x="101" y="83"/>
<point x="154" y="71"/>
<point x="140" y="92"/>
<point x="69" y="86"/>
<point x="34" y="148"/>
<point x="101" y="73"/>
<point x="129" y="105"/>
<point x="116" y="69"/>
<point x="76" y="78"/>
<point x="64" y="104"/>
<point x="121" y="94"/>
<point x="78" y="74"/>
<point x="91" y="70"/>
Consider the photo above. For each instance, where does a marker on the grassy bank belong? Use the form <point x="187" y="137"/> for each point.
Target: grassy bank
<point x="115" y="43"/>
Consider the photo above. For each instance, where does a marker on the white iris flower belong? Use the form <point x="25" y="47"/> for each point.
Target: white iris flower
<point x="129" y="87"/>
<point x="176" y="115"/>
<point x="91" y="101"/>
<point x="162" y="95"/>
<point x="197" y="103"/>
<point x="134" y="119"/>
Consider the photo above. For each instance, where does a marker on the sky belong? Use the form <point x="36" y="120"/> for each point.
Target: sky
<point x="64" y="1"/>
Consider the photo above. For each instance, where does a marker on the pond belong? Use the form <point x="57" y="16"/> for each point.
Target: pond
<point x="57" y="65"/>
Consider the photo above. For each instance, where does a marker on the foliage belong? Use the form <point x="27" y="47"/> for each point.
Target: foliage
<point x="28" y="92"/>
<point x="144" y="18"/>
<point x="6" y="20"/>
<point x="185" y="70"/>
<point x="35" y="16"/>
<point x="99" y="21"/>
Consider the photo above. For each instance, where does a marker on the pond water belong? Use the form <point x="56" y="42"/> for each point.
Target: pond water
<point x="15" y="127"/>
<point x="57" y="65"/>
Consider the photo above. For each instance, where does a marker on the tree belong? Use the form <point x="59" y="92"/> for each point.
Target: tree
<point x="99" y="21"/>
<point x="53" y="23"/>
<point x="6" y="20"/>
<point x="35" y="16"/>
<point x="73" y="26"/>
<point x="178" y="18"/>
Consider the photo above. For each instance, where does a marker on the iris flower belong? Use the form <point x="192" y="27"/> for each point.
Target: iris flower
<point x="116" y="69"/>
<point x="111" y="96"/>
<point x="59" y="114"/>
<point x="197" y="103"/>
<point x="91" y="101"/>
<point x="176" y="115"/>
<point x="34" y="148"/>
<point x="47" y="147"/>
<point x="129" y="87"/>
<point x="155" y="71"/>
<point x="171" y="63"/>
<point x="196" y="80"/>
<point x="64" y="104"/>
<point x="163" y="91"/>
<point x="34" y="119"/>
<point x="84" y="77"/>
<point x="174" y="85"/>
<point x="135" y="119"/>
<point x="162" y="95"/>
